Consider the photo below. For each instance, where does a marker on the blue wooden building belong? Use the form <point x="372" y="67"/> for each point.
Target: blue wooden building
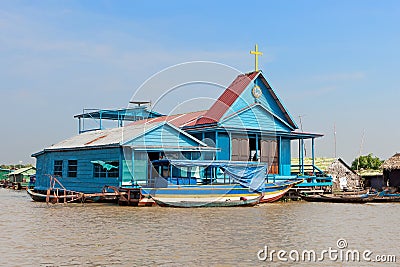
<point x="115" y="157"/>
<point x="248" y="122"/>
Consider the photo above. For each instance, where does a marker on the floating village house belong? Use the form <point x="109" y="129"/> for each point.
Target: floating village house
<point x="248" y="122"/>
<point x="391" y="171"/>
<point x="4" y="173"/>
<point x="21" y="175"/>
<point x="373" y="179"/>
<point x="343" y="177"/>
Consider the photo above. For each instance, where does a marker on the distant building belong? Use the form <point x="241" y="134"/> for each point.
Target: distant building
<point x="373" y="179"/>
<point x="391" y="170"/>
<point x="21" y="175"/>
<point x="4" y="173"/>
<point x="344" y="178"/>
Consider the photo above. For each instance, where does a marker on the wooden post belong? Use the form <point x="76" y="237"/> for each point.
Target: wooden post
<point x="280" y="155"/>
<point x="299" y="157"/>
<point x="313" y="154"/>
<point x="48" y="195"/>
<point x="302" y="155"/>
<point x="56" y="195"/>
<point x="216" y="145"/>
<point x="256" y="155"/>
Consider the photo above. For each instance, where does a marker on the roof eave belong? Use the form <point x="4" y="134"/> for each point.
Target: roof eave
<point x="61" y="149"/>
<point x="279" y="102"/>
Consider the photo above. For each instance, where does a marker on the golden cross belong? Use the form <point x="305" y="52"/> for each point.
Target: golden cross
<point x="256" y="53"/>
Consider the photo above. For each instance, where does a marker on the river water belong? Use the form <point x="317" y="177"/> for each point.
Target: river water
<point x="37" y="234"/>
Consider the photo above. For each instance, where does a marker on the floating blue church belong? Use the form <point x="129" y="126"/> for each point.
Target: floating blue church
<point x="248" y="122"/>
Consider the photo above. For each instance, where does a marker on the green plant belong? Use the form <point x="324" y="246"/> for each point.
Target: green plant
<point x="368" y="162"/>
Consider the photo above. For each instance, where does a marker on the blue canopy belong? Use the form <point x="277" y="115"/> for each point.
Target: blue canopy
<point x="248" y="174"/>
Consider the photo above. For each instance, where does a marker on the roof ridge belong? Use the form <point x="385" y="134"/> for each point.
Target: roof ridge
<point x="227" y="98"/>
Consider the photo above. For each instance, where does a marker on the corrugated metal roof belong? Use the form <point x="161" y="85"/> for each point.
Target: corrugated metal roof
<point x="227" y="98"/>
<point x="19" y="171"/>
<point x="370" y="172"/>
<point x="220" y="106"/>
<point x="178" y="120"/>
<point x="321" y="163"/>
<point x="116" y="136"/>
<point x="113" y="136"/>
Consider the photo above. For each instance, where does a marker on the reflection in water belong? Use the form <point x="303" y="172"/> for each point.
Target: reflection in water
<point x="35" y="234"/>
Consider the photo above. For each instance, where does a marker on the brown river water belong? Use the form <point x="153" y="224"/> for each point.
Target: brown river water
<point x="37" y="234"/>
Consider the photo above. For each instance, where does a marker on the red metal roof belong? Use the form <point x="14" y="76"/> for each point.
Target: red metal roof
<point x="216" y="111"/>
<point x="178" y="120"/>
<point x="227" y="98"/>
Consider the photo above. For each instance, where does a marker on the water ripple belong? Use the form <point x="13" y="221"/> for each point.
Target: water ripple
<point x="37" y="234"/>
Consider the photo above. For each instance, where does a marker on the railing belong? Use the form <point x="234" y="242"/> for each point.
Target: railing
<point x="312" y="175"/>
<point x="307" y="169"/>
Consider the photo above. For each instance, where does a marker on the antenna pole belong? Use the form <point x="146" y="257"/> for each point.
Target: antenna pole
<point x="359" y="153"/>
<point x="301" y="128"/>
<point x="334" y="137"/>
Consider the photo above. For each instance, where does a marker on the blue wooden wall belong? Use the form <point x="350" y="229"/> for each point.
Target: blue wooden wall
<point x="266" y="100"/>
<point x="256" y="118"/>
<point x="224" y="143"/>
<point x="285" y="156"/>
<point x="164" y="135"/>
<point x="84" y="182"/>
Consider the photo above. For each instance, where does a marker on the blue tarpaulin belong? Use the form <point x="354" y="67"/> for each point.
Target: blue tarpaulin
<point x="248" y="174"/>
<point x="251" y="177"/>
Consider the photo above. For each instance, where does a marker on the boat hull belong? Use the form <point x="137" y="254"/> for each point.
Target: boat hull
<point x="386" y="199"/>
<point x="202" y="204"/>
<point x="336" y="199"/>
<point x="203" y="196"/>
<point x="42" y="197"/>
<point x="70" y="196"/>
<point x="275" y="191"/>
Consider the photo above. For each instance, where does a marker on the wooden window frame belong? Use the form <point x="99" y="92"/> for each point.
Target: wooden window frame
<point x="100" y="172"/>
<point x="58" y="168"/>
<point x="72" y="168"/>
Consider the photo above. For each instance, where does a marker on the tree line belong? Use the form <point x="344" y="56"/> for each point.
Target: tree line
<point x="368" y="162"/>
<point x="15" y="166"/>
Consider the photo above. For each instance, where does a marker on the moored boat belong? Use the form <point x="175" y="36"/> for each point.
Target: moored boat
<point x="208" y="183"/>
<point x="203" y="195"/>
<point x="243" y="202"/>
<point x="56" y="196"/>
<point x="275" y="191"/>
<point x="337" y="199"/>
<point x="385" y="196"/>
<point x="57" y="193"/>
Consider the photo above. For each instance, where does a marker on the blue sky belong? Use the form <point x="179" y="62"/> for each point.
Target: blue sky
<point x="332" y="62"/>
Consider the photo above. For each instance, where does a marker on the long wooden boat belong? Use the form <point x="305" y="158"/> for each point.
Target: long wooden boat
<point x="201" y="204"/>
<point x="275" y="191"/>
<point x="57" y="193"/>
<point x="337" y="199"/>
<point x="58" y="196"/>
<point x="386" y="197"/>
<point x="54" y="196"/>
<point x="216" y="195"/>
<point x="224" y="183"/>
<point x="218" y="184"/>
